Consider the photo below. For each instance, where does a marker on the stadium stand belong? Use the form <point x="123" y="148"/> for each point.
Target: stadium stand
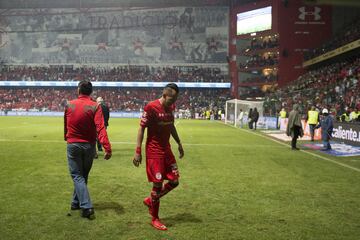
<point x="335" y="86"/>
<point x="124" y="99"/>
<point x="351" y="32"/>
<point x="127" y="74"/>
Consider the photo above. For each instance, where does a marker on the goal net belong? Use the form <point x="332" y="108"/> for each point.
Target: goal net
<point x="233" y="107"/>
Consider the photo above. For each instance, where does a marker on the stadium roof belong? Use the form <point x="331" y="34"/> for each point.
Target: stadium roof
<point x="114" y="3"/>
<point x="20" y="4"/>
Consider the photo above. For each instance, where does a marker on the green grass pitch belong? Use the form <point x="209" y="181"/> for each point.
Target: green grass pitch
<point x="234" y="185"/>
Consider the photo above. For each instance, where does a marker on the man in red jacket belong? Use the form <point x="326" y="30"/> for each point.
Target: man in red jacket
<point x="83" y="121"/>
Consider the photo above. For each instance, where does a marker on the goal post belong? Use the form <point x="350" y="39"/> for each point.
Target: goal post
<point x="233" y="107"/>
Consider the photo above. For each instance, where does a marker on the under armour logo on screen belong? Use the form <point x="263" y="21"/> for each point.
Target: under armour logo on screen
<point x="315" y="13"/>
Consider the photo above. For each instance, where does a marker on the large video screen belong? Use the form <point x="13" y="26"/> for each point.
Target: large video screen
<point x="254" y="21"/>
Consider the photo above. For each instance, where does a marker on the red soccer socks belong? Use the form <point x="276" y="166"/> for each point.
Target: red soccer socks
<point x="147" y="202"/>
<point x="167" y="188"/>
<point x="155" y="202"/>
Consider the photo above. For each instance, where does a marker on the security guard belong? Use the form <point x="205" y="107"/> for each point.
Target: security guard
<point x="354" y="115"/>
<point x="312" y="120"/>
<point x="282" y="115"/>
<point x="345" y="117"/>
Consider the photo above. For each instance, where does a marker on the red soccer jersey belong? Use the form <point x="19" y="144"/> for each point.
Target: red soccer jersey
<point x="159" y="121"/>
<point x="83" y="119"/>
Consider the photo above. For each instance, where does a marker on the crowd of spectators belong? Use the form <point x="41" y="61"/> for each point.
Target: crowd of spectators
<point x="261" y="79"/>
<point x="123" y="74"/>
<point x="263" y="43"/>
<point x="350" y="33"/>
<point x="260" y="61"/>
<point x="124" y="99"/>
<point x="334" y="86"/>
<point x="248" y="93"/>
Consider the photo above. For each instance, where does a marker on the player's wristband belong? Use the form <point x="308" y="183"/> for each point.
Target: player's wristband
<point x="138" y="150"/>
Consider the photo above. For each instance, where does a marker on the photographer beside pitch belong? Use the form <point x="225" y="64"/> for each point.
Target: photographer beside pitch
<point x="83" y="121"/>
<point x="161" y="165"/>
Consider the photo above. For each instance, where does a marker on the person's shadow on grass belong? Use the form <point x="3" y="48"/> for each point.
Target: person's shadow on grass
<point x="181" y="218"/>
<point x="116" y="207"/>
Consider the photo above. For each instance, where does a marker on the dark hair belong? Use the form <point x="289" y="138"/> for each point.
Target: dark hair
<point x="172" y="86"/>
<point x="85" y="87"/>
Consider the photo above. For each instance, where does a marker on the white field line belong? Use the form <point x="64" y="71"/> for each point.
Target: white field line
<point x="176" y="123"/>
<point x="27" y="125"/>
<point x="302" y="150"/>
<point x="134" y="143"/>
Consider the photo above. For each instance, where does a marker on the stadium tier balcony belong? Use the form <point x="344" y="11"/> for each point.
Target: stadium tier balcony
<point x="259" y="81"/>
<point x="264" y="42"/>
<point x="248" y="52"/>
<point x="258" y="62"/>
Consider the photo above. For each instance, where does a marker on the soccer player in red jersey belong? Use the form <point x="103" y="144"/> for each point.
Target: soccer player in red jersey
<point x="161" y="165"/>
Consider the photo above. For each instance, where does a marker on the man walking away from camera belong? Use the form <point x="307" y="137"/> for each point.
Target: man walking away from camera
<point x="255" y="117"/>
<point x="250" y="121"/>
<point x="83" y="121"/>
<point x="294" y="127"/>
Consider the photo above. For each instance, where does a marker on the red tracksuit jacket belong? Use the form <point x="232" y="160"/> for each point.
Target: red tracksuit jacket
<point x="83" y="121"/>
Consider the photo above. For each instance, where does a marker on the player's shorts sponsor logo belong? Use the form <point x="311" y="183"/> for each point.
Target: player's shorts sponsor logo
<point x="158" y="176"/>
<point x="174" y="169"/>
<point x="175" y="172"/>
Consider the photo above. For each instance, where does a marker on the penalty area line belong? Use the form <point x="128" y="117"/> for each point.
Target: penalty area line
<point x="302" y="150"/>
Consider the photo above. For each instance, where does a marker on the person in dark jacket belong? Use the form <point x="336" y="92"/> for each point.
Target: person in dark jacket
<point x="255" y="117"/>
<point x="250" y="121"/>
<point x="294" y="127"/>
<point x="106" y="113"/>
<point x="327" y="126"/>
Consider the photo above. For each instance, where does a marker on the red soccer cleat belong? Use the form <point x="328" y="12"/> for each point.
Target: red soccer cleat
<point x="158" y="225"/>
<point x="147" y="202"/>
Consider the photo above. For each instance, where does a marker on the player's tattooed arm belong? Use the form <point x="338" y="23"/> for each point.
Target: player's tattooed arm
<point x="175" y="135"/>
<point x="137" y="156"/>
